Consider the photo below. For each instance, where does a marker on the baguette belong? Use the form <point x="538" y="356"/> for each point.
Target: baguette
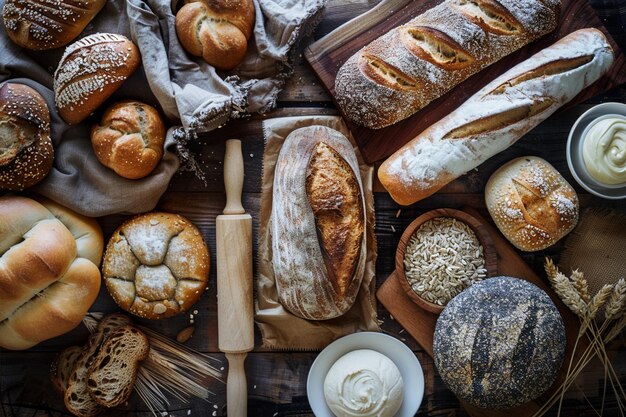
<point x="402" y="71"/>
<point x="318" y="224"/>
<point x="497" y="116"/>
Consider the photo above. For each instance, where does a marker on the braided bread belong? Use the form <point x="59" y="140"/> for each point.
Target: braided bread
<point x="129" y="139"/>
<point x="216" y="30"/>
<point x="49" y="273"/>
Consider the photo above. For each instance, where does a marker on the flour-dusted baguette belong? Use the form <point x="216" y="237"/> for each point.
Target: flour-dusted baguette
<point x="402" y="71"/>
<point x="497" y="116"/>
<point x="318" y="224"/>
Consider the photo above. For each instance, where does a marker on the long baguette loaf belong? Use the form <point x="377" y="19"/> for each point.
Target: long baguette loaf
<point x="318" y="224"/>
<point x="402" y="71"/>
<point x="497" y="116"/>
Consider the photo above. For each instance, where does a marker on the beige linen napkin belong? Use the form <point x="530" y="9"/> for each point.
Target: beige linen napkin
<point x="279" y="328"/>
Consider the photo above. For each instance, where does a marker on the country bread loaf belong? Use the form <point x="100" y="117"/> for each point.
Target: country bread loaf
<point x="497" y="116"/>
<point x="156" y="265"/>
<point x="531" y="203"/>
<point x="402" y="71"/>
<point x="216" y="30"/>
<point x="47" y="24"/>
<point x="26" y="152"/>
<point x="318" y="224"/>
<point x="49" y="274"/>
<point x="90" y="70"/>
<point x="112" y="374"/>
<point x="61" y="368"/>
<point x="129" y="139"/>
<point x="500" y="343"/>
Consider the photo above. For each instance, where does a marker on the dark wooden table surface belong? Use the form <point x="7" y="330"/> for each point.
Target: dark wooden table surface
<point x="277" y="379"/>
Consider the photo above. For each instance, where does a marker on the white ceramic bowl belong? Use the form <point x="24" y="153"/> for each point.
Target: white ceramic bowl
<point x="574" y="150"/>
<point x="398" y="352"/>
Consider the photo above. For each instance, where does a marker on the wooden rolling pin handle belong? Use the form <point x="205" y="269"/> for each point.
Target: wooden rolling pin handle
<point x="233" y="177"/>
<point x="237" y="386"/>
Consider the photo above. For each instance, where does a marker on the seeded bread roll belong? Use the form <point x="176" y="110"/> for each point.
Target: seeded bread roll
<point x="26" y="152"/>
<point x="402" y="71"/>
<point x="531" y="203"/>
<point x="47" y="24"/>
<point x="129" y="139"/>
<point x="318" y="224"/>
<point x="90" y="70"/>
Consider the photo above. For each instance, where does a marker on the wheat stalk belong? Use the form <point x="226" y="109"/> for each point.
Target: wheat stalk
<point x="617" y="302"/>
<point x="598" y="301"/>
<point x="581" y="285"/>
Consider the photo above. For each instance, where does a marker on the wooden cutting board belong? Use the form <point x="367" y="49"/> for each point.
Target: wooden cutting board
<point x="420" y="323"/>
<point x="328" y="54"/>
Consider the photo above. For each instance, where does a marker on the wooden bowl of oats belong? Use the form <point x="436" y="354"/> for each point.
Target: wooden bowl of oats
<point x="440" y="254"/>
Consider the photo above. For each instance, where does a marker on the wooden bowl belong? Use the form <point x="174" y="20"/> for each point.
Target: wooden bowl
<point x="489" y="252"/>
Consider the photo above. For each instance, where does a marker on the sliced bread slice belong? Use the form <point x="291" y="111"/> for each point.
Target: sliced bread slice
<point x="112" y="375"/>
<point x="62" y="366"/>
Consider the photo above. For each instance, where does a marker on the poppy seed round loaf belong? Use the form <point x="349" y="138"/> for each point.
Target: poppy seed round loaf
<point x="500" y="343"/>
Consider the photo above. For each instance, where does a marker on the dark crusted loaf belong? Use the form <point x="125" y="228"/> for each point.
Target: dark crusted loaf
<point x="500" y="343"/>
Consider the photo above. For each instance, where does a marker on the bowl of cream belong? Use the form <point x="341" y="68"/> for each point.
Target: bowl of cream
<point x="596" y="150"/>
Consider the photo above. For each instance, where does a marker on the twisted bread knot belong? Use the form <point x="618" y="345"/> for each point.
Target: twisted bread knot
<point x="216" y="30"/>
<point x="49" y="274"/>
<point x="156" y="265"/>
<point x="129" y="139"/>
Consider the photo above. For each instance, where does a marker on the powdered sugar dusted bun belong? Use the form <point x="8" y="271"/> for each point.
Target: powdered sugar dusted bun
<point x="47" y="24"/>
<point x="531" y="203"/>
<point x="497" y="116"/>
<point x="26" y="151"/>
<point x="90" y="70"/>
<point x="402" y="71"/>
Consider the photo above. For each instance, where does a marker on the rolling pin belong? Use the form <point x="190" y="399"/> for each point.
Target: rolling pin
<point x="234" y="282"/>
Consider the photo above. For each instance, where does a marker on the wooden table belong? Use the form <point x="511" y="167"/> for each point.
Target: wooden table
<point x="277" y="379"/>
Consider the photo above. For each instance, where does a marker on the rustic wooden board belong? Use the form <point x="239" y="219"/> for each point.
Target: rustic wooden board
<point x="328" y="54"/>
<point x="420" y="323"/>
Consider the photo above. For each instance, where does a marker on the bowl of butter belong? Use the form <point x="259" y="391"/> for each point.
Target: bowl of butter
<point x="596" y="150"/>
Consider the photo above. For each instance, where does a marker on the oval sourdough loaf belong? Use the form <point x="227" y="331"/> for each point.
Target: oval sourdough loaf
<point x="497" y="116"/>
<point x="500" y="343"/>
<point x="90" y="70"/>
<point x="531" y="203"/>
<point x="318" y="224"/>
<point x="47" y="24"/>
<point x="408" y="67"/>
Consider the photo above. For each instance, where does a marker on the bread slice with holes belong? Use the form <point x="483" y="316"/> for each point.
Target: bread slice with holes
<point x="77" y="398"/>
<point x="497" y="116"/>
<point x="61" y="368"/>
<point x="112" y="374"/>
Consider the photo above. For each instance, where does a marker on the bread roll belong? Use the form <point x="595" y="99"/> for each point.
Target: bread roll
<point x="318" y="224"/>
<point x="497" y="116"/>
<point x="216" y="30"/>
<point x="26" y="152"/>
<point x="402" y="71"/>
<point x="129" y="139"/>
<point x="156" y="265"/>
<point x="47" y="24"/>
<point x="531" y="203"/>
<point x="90" y="70"/>
<point x="49" y="274"/>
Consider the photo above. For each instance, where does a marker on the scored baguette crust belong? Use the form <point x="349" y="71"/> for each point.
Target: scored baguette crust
<point x="90" y="70"/>
<point x="497" y="116"/>
<point x="402" y="71"/>
<point x="318" y="258"/>
<point x="531" y="203"/>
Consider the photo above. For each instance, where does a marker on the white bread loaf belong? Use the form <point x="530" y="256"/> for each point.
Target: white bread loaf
<point x="497" y="116"/>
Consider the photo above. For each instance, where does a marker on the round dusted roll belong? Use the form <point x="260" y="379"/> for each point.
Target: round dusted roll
<point x="90" y="70"/>
<point x="500" y="343"/>
<point x="49" y="274"/>
<point x="26" y="152"/>
<point x="156" y="265"/>
<point x="129" y="139"/>
<point x="531" y="203"/>
<point x="47" y="24"/>
<point x="216" y="30"/>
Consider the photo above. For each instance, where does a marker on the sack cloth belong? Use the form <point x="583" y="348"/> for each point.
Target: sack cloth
<point x="279" y="328"/>
<point x="186" y="90"/>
